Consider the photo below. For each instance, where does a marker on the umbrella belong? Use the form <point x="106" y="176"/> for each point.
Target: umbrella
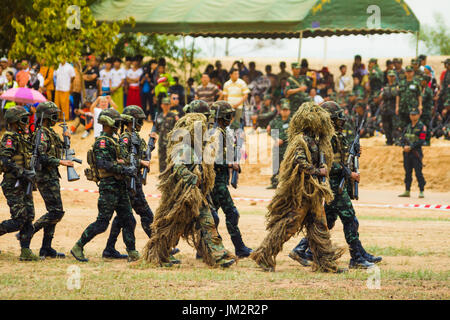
<point x="23" y="95"/>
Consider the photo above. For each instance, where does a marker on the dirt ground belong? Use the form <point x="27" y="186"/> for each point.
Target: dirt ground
<point x="413" y="243"/>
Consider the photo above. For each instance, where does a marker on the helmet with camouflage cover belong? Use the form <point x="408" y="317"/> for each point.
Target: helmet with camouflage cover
<point x="131" y="112"/>
<point x="47" y="110"/>
<point x="197" y="106"/>
<point x="224" y="109"/>
<point x="334" y="110"/>
<point x="17" y="114"/>
<point x="110" y="117"/>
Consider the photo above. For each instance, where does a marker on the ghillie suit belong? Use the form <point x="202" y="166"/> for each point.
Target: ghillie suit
<point x="184" y="208"/>
<point x="298" y="200"/>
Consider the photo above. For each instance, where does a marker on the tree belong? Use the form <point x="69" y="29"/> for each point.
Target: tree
<point x="62" y="30"/>
<point x="437" y="39"/>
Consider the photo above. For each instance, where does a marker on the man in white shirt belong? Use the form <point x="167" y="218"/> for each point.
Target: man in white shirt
<point x="118" y="76"/>
<point x="344" y="83"/>
<point x="235" y="92"/>
<point x="64" y="77"/>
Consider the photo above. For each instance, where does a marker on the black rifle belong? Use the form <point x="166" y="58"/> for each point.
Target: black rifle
<point x="404" y="141"/>
<point x="322" y="162"/>
<point x="150" y="148"/>
<point x="34" y="162"/>
<point x="352" y="166"/>
<point x="133" y="155"/>
<point x="237" y="152"/>
<point x="69" y="153"/>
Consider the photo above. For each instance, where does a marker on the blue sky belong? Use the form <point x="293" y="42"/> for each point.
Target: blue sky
<point x="337" y="47"/>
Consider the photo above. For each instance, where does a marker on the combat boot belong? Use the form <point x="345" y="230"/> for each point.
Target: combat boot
<point x="421" y="195"/>
<point x="133" y="255"/>
<point x="357" y="261"/>
<point x="174" y="260"/>
<point x="51" y="253"/>
<point x="405" y="194"/>
<point x="112" y="253"/>
<point x="27" y="255"/>
<point x="367" y="255"/>
<point x="241" y="250"/>
<point x="225" y="263"/>
<point x="299" y="253"/>
<point x="266" y="267"/>
<point x="77" y="252"/>
<point x="174" y="251"/>
<point x="271" y="187"/>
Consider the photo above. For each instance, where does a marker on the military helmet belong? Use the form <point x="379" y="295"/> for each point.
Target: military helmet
<point x="110" y="117"/>
<point x="131" y="112"/>
<point x="197" y="106"/>
<point x="47" y="110"/>
<point x="17" y="114"/>
<point x="333" y="109"/>
<point x="285" y="104"/>
<point x="224" y="109"/>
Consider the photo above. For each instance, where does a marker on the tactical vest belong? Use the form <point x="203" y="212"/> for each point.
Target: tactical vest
<point x="23" y="152"/>
<point x="55" y="147"/>
<point x="94" y="173"/>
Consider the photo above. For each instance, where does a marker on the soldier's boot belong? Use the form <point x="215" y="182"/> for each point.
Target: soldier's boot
<point x="405" y="194"/>
<point x="133" y="255"/>
<point x="27" y="255"/>
<point x="357" y="261"/>
<point x="241" y="250"/>
<point x="299" y="253"/>
<point x="421" y="195"/>
<point x="225" y="263"/>
<point x="47" y="250"/>
<point x="368" y="256"/>
<point x="174" y="260"/>
<point x="271" y="187"/>
<point x="266" y="267"/>
<point x="112" y="253"/>
<point x="77" y="252"/>
<point x="198" y="256"/>
<point x="174" y="251"/>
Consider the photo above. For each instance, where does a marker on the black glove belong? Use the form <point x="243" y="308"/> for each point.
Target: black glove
<point x="129" y="171"/>
<point x="135" y="140"/>
<point x="28" y="175"/>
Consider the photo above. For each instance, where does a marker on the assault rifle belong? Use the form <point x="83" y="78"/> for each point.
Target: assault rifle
<point x="404" y="141"/>
<point x="322" y="162"/>
<point x="34" y="162"/>
<point x="150" y="148"/>
<point x="69" y="153"/>
<point x="352" y="165"/>
<point x="237" y="152"/>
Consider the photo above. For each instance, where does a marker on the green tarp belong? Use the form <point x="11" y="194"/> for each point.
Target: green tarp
<point x="261" y="18"/>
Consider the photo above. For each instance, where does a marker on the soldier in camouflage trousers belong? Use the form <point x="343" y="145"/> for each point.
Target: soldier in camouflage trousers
<point x="164" y="124"/>
<point x="113" y="190"/>
<point x="280" y="123"/>
<point x="223" y="113"/>
<point x="47" y="178"/>
<point x="138" y="201"/>
<point x="15" y="154"/>
<point x="341" y="206"/>
<point x="409" y="97"/>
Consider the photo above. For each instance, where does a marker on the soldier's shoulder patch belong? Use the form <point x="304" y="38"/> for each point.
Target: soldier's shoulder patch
<point x="9" y="143"/>
<point x="42" y="137"/>
<point x="125" y="140"/>
<point x="102" y="143"/>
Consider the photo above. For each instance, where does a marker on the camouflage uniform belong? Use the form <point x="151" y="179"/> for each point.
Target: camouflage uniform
<point x="47" y="180"/>
<point x="282" y="126"/>
<point x="138" y="201"/>
<point x="376" y="79"/>
<point x="415" y="138"/>
<point x="409" y="93"/>
<point x="164" y="124"/>
<point x="113" y="191"/>
<point x="265" y="115"/>
<point x="388" y="118"/>
<point x="298" y="98"/>
<point x="427" y="104"/>
<point x="15" y="154"/>
<point x="445" y="90"/>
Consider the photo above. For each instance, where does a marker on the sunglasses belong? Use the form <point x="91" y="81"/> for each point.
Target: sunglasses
<point x="24" y="120"/>
<point x="117" y="123"/>
<point x="140" y="122"/>
<point x="175" y="98"/>
<point x="54" y="117"/>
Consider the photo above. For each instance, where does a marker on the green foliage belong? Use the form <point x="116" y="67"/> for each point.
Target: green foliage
<point x="45" y="34"/>
<point x="437" y="39"/>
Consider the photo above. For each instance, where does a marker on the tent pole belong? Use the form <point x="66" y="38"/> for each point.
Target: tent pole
<point x="325" y="49"/>
<point x="300" y="46"/>
<point x="184" y="64"/>
<point x="417" y="43"/>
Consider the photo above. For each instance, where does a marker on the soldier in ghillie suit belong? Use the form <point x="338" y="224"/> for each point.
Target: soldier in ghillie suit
<point x="221" y="197"/>
<point x="15" y="155"/>
<point x="341" y="206"/>
<point x="303" y="186"/>
<point x="47" y="178"/>
<point x="184" y="209"/>
<point x="137" y="198"/>
<point x="110" y="170"/>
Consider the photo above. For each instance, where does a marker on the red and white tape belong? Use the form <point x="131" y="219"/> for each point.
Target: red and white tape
<point x="398" y="206"/>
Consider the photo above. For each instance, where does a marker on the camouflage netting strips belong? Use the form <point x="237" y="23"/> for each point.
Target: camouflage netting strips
<point x="298" y="201"/>
<point x="180" y="204"/>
